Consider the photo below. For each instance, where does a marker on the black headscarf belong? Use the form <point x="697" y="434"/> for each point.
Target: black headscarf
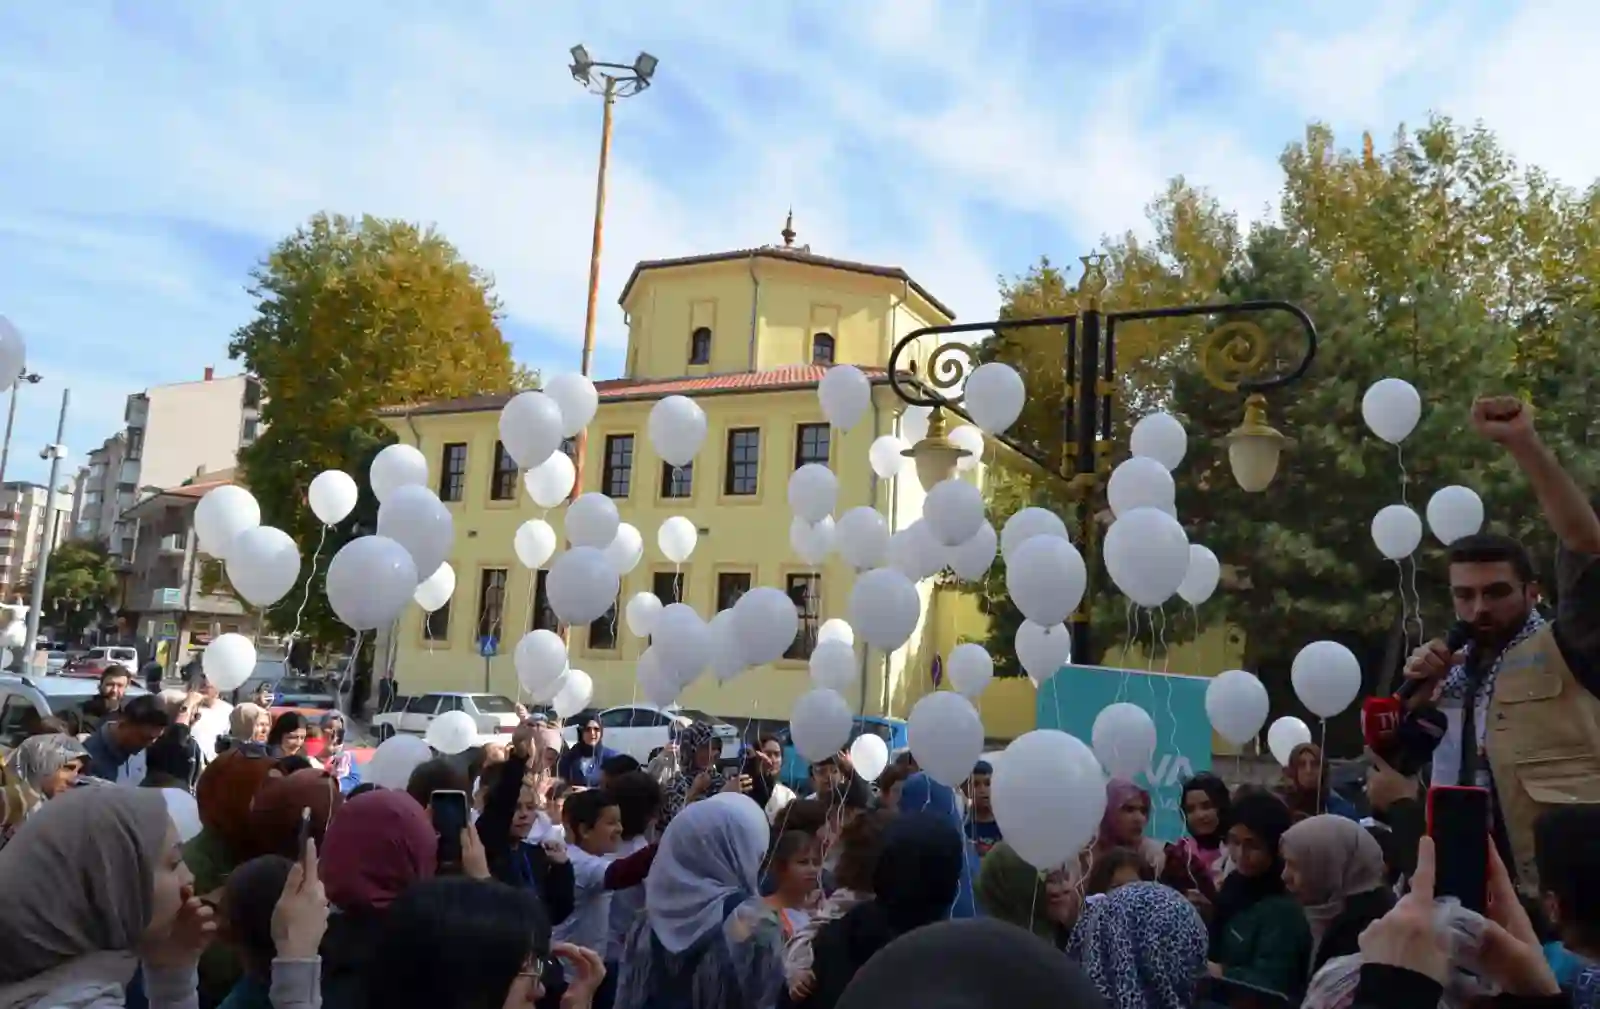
<point x="1217" y="791"/>
<point x="914" y="883"/>
<point x="1268" y="818"/>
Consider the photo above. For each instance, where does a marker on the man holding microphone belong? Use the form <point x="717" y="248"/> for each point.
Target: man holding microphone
<point x="1522" y="697"/>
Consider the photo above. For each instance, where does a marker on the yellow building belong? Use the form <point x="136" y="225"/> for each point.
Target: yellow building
<point x="748" y="335"/>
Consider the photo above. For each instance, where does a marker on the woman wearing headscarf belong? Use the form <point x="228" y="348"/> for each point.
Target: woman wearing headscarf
<point x="1259" y="935"/>
<point x="706" y="940"/>
<point x="1334" y="868"/>
<point x="915" y="882"/>
<point x="1305" y="786"/>
<point x="39" y="769"/>
<point x="1143" y="945"/>
<point x="921" y="794"/>
<point x="279" y="805"/>
<point x="249" y="723"/>
<point x="1199" y="860"/>
<point x="580" y="764"/>
<point x="379" y="844"/>
<point x="1123" y="825"/>
<point x="697" y="777"/>
<point x="1010" y="889"/>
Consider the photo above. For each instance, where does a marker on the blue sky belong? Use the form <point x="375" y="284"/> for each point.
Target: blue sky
<point x="151" y="152"/>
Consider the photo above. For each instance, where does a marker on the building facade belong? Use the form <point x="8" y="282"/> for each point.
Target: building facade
<point x="748" y="335"/>
<point x="23" y="523"/>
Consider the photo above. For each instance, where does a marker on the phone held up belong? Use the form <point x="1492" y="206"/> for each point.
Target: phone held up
<point x="449" y="809"/>
<point x="1459" y="823"/>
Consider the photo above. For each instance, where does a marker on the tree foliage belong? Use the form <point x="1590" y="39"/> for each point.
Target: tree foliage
<point x="80" y="586"/>
<point x="353" y="316"/>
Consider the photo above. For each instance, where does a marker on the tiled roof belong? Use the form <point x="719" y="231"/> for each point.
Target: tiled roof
<point x="196" y="490"/>
<point x="618" y="390"/>
<point x="793" y="255"/>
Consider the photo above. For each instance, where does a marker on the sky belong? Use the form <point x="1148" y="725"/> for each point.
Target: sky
<point x="151" y="153"/>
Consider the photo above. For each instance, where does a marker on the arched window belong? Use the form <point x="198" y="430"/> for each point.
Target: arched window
<point x="821" y="348"/>
<point x="700" y="346"/>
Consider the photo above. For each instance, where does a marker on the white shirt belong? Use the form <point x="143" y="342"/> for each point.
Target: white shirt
<point x="626" y="905"/>
<point x="590" y="919"/>
<point x="209" y="723"/>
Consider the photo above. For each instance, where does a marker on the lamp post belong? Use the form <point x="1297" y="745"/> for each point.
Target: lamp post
<point x="1232" y="358"/>
<point x="55" y="452"/>
<point x="11" y="417"/>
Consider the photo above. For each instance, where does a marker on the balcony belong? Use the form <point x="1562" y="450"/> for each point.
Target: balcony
<point x="128" y="472"/>
<point x="137" y="413"/>
<point x="174" y="543"/>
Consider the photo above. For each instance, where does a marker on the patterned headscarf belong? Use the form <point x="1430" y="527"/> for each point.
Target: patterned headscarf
<point x="1143" y="945"/>
<point x="690" y="742"/>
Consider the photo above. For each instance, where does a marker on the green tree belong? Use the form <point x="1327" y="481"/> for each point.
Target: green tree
<point x="353" y="316"/>
<point x="80" y="586"/>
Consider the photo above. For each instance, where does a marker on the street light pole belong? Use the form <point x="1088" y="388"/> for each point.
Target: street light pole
<point x="11" y="418"/>
<point x="41" y="570"/>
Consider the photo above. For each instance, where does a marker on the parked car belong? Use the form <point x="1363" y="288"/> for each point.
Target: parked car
<point x="84" y="667"/>
<point x="54" y="662"/>
<point x="796" y="772"/>
<point x="641" y="730"/>
<point x="268" y="671"/>
<point x="122" y="655"/>
<point x="496" y="715"/>
<point x="26" y="699"/>
<point x="306" y="693"/>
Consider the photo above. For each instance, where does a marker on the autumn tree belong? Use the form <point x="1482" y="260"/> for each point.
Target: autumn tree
<point x="353" y="316"/>
<point x="80" y="586"/>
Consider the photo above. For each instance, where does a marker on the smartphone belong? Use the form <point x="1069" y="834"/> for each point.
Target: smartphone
<point x="1459" y="823"/>
<point x="449" y="810"/>
<point x="305" y="832"/>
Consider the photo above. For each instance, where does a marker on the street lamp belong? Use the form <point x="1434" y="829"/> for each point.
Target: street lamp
<point x="1232" y="358"/>
<point x="11" y="417"/>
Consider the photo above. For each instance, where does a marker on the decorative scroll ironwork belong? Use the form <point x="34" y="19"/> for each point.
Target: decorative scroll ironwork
<point x="1232" y="353"/>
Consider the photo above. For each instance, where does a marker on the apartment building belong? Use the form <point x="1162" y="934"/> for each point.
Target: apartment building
<point x="22" y="528"/>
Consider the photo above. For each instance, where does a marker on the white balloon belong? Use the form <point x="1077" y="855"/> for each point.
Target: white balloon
<point x="1397" y="531"/>
<point x="541" y="657"/>
<point x="1391" y="408"/>
<point x="641" y="612"/>
<point x="1454" y="512"/>
<point x="972" y="560"/>
<point x="1160" y="436"/>
<point x="592" y="521"/>
<point x="394" y="467"/>
<point x="677" y="429"/>
<point x="1200" y="580"/>
<point x="811" y="542"/>
<point x="861" y="537"/>
<point x="574" y="690"/>
<point x="1236" y="705"/>
<point x="813" y="489"/>
<point x="452" y="732"/>
<point x="1124" y="739"/>
<point x="576" y="398"/>
<point x="885" y="455"/>
<point x="626" y="549"/>
<point x="835" y="629"/>
<point x="945" y="735"/>
<point x="766" y="622"/>
<point x="370" y="581"/>
<point x="394" y="760"/>
<point x="845" y="394"/>
<point x="970" y="669"/>
<point x="819" y="724"/>
<point x="13" y="354"/>
<point x="914" y="423"/>
<point x="658" y="686"/>
<point x="534" y="543"/>
<point x="550" y="482"/>
<point x="1285" y="734"/>
<point x="1042" y="650"/>
<point x="677" y="538"/>
<point x="1049" y="797"/>
<point x="184" y="811"/>
<point x="869" y="754"/>
<point x="884" y="608"/>
<point x="228" y="661"/>
<point x="727" y="658"/>
<point x="530" y="428"/>
<point x="1326" y="677"/>
<point x="1140" y="483"/>
<point x="437" y="588"/>
<point x="415" y="518"/>
<point x="1047" y="580"/>
<point x="1147" y="554"/>
<point x="970" y="438"/>
<point x="333" y="496"/>
<point x="1028" y="523"/>
<point x="953" y="511"/>
<point x="222" y="514"/>
<point x="915" y="553"/>
<point x="263" y="565"/>
<point x="834" y="666"/>
<point x="682" y="642"/>
<point x="994" y="396"/>
<point x="581" y="586"/>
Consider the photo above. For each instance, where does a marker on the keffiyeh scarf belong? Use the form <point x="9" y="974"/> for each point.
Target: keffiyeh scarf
<point x="1447" y="760"/>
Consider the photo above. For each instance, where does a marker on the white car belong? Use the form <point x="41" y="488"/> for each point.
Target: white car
<point x="121" y="655"/>
<point x="641" y="730"/>
<point x="26" y="699"/>
<point x="495" y="715"/>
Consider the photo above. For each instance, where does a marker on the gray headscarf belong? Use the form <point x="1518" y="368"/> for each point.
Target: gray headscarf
<point x="710" y="852"/>
<point x="77" y="878"/>
<point x="38" y="757"/>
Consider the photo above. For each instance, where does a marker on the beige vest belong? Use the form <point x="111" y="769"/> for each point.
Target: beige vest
<point x="1542" y="743"/>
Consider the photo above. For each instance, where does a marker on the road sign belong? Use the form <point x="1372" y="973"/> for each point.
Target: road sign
<point x="488" y="647"/>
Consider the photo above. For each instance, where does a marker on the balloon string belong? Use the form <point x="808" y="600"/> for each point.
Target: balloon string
<point x="1172" y="716"/>
<point x="1421" y="636"/>
<point x="347" y="678"/>
<point x="1405" y="478"/>
<point x="1322" y="749"/>
<point x="310" y="577"/>
<point x="1405" y="606"/>
<point x="1150" y="615"/>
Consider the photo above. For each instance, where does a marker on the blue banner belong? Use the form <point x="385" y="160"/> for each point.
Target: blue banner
<point x="1071" y="699"/>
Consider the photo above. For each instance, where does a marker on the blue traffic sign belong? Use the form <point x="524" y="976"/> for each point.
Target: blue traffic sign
<point x="488" y="647"/>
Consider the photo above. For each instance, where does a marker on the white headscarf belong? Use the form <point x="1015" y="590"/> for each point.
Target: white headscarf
<point x="711" y="852"/>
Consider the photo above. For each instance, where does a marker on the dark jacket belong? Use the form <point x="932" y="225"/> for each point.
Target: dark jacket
<point x="528" y="867"/>
<point x="1340" y="937"/>
<point x="347" y="949"/>
<point x="583" y="768"/>
<point x="1268" y="945"/>
<point x="105" y="760"/>
<point x="1384" y="987"/>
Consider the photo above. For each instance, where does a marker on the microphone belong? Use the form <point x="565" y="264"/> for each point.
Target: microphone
<point x="1406" y="740"/>
<point x="1459" y="636"/>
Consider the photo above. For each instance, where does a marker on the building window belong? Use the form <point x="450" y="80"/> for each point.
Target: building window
<point x="252" y="394"/>
<point x="805" y="591"/>
<point x="821" y="348"/>
<point x="135" y="444"/>
<point x="252" y="429"/>
<point x="700" y="346"/>
<point x="677" y="481"/>
<point x="453" y="471"/>
<point x="667" y="586"/>
<point x="503" y="484"/>
<point x="491" y="602"/>
<point x="730" y="586"/>
<point x="544" y="618"/>
<point x="603" y="632"/>
<point x="743" y="462"/>
<point x="617" y="476"/>
<point x="436" y="625"/>
<point x="810" y="444"/>
<point x="569" y="448"/>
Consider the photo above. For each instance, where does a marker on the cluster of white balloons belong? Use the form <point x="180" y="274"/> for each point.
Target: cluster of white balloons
<point x="1148" y="554"/>
<point x="1326" y="677"/>
<point x="1391" y="408"/>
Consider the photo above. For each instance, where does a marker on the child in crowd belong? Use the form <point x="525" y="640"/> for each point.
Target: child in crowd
<point x="1116" y="867"/>
<point x="796" y="867"/>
